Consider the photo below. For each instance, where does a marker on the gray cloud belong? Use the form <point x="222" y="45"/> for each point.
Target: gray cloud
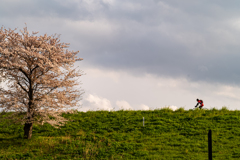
<point x="198" y="40"/>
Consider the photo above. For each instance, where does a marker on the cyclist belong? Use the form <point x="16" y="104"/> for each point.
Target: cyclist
<point x="199" y="102"/>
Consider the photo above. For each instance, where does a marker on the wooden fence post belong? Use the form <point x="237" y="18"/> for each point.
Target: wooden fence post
<point x="210" y="144"/>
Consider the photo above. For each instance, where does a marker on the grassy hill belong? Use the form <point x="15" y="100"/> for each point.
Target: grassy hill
<point x="166" y="135"/>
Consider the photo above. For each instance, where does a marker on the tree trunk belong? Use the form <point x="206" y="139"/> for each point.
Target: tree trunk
<point x="29" y="122"/>
<point x="28" y="130"/>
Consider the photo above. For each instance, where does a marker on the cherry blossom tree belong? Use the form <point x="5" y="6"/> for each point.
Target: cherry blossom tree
<point x="40" y="75"/>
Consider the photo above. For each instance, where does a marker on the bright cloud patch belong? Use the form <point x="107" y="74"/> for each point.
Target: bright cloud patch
<point x="144" y="107"/>
<point x="124" y="105"/>
<point x="173" y="107"/>
<point x="93" y="102"/>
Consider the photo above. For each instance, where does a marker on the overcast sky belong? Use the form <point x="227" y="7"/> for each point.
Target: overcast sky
<point x="144" y="54"/>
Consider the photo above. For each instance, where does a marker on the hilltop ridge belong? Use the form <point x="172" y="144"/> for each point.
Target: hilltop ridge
<point x="166" y="134"/>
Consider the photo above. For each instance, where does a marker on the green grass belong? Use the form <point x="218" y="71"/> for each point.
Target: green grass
<point x="166" y="135"/>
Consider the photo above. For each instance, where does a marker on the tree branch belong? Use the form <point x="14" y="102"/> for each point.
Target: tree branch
<point x="34" y="69"/>
<point x="22" y="87"/>
<point x="20" y="69"/>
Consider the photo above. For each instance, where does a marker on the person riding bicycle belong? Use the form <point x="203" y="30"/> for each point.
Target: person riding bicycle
<point x="199" y="102"/>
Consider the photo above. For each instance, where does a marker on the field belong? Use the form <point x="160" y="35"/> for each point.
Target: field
<point x="166" y="134"/>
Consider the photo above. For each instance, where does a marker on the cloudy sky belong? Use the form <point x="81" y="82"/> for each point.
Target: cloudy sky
<point x="144" y="54"/>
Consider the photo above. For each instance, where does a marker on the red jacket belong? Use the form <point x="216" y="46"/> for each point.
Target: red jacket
<point x="200" y="102"/>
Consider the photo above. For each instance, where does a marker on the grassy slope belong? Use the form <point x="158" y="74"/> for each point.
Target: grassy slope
<point x="121" y="135"/>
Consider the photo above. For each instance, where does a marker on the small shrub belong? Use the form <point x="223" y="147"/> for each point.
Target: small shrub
<point x="166" y="109"/>
<point x="181" y="110"/>
<point x="224" y="108"/>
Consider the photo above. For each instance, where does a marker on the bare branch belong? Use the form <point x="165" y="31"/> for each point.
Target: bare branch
<point x="22" y="87"/>
<point x="34" y="68"/>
